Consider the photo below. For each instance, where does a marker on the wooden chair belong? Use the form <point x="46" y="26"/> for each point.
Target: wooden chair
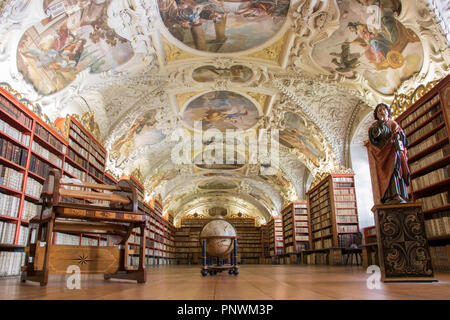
<point x="116" y="216"/>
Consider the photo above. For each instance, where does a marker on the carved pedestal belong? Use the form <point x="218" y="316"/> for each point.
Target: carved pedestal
<point x="402" y="245"/>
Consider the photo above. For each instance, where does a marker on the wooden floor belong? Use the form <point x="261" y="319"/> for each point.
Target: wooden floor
<point x="290" y="282"/>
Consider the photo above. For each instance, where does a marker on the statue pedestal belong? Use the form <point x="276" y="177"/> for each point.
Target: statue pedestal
<point x="402" y="244"/>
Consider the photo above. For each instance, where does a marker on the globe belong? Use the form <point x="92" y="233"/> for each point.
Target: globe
<point x="216" y="233"/>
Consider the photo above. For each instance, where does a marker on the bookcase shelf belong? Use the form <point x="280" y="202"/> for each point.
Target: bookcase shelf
<point x="276" y="242"/>
<point x="427" y="126"/>
<point x="295" y="227"/>
<point x="332" y="214"/>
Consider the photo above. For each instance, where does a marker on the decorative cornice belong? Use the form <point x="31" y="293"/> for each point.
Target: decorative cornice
<point x="402" y="101"/>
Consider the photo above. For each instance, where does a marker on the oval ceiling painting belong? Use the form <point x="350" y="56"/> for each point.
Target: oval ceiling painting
<point x="373" y="42"/>
<point x="221" y="110"/>
<point x="223" y="26"/>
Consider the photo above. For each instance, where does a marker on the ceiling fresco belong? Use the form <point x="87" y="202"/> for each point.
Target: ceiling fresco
<point x="223" y="26"/>
<point x="144" y="70"/>
<point x="372" y="41"/>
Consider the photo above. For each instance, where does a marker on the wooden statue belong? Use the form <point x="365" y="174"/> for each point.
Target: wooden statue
<point x="387" y="146"/>
<point x="68" y="207"/>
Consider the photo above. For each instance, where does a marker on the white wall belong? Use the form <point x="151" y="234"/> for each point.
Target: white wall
<point x="363" y="184"/>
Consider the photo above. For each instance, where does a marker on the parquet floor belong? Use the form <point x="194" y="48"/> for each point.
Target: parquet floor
<point x="290" y="282"/>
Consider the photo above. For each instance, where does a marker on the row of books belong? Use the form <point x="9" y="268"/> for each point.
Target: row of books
<point x="11" y="263"/>
<point x="75" y="146"/>
<point x="435" y="201"/>
<point x="45" y="135"/>
<point x="349" y="191"/>
<point x="14" y="133"/>
<point x="11" y="178"/>
<point x="344" y="185"/>
<point x="23" y="235"/>
<point x="430" y="158"/>
<point x="345" y="204"/>
<point x="342" y="179"/>
<point x="7" y="232"/>
<point x="430" y="178"/>
<point x="345" y="211"/>
<point x="347" y="219"/>
<point x="15" y="113"/>
<point x="87" y="241"/>
<point x="98" y="174"/>
<point x="428" y="142"/>
<point x="75" y="172"/>
<point x="321" y="225"/>
<point x="30" y="210"/>
<point x="77" y="159"/>
<point x="322" y="244"/>
<point x="419" y="111"/>
<point x="67" y="239"/>
<point x="320" y="218"/>
<point x="92" y="146"/>
<point x="347" y="228"/>
<point x="13" y="152"/>
<point x="317" y="258"/>
<point x="426" y="129"/>
<point x="39" y="167"/>
<point x="43" y="152"/>
<point x="440" y="257"/>
<point x="96" y="163"/>
<point x="9" y="205"/>
<point x="321" y="233"/>
<point x="438" y="225"/>
<point x="344" y="198"/>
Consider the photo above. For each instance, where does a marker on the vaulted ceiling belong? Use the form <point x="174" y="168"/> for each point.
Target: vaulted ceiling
<point x="150" y="71"/>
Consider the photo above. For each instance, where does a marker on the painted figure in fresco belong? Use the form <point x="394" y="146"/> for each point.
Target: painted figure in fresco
<point x="384" y="43"/>
<point x="388" y="146"/>
<point x="376" y="45"/>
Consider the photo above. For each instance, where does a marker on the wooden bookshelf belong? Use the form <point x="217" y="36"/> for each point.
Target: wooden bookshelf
<point x="427" y="126"/>
<point x="187" y="242"/>
<point x="295" y="227"/>
<point x="333" y="217"/>
<point x="276" y="244"/>
<point x="249" y="240"/>
<point x="84" y="154"/>
<point x="35" y="149"/>
<point x="159" y="248"/>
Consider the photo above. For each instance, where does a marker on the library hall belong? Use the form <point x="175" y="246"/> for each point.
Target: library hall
<point x="224" y="150"/>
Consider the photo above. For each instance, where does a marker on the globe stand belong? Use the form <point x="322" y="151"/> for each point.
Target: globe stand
<point x="208" y="265"/>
